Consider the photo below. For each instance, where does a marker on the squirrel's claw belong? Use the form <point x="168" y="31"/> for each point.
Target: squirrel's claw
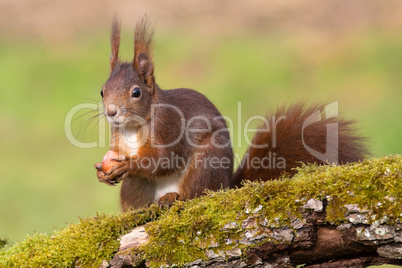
<point x="103" y="178"/>
<point x="117" y="169"/>
<point x="120" y="158"/>
<point x="113" y="176"/>
<point x="98" y="166"/>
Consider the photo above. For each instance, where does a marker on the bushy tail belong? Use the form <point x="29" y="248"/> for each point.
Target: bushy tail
<point x="296" y="134"/>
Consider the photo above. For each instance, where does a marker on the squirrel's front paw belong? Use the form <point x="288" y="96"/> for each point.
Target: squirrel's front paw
<point x="114" y="175"/>
<point x="168" y="199"/>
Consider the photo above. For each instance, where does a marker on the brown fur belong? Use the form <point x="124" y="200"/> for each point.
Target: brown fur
<point x="115" y="44"/>
<point x="142" y="52"/>
<point x="141" y="179"/>
<point x="289" y="143"/>
<point x="142" y="175"/>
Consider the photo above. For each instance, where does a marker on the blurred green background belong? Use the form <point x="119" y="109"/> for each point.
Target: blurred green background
<point x="55" y="55"/>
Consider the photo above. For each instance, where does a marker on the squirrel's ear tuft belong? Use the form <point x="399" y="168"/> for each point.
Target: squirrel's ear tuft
<point x="142" y="62"/>
<point x="115" y="43"/>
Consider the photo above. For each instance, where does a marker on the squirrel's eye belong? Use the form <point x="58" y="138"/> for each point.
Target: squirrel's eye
<point x="102" y="93"/>
<point x="136" y="93"/>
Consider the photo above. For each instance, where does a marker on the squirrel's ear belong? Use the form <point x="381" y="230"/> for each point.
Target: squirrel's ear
<point x="142" y="62"/>
<point x="115" y="43"/>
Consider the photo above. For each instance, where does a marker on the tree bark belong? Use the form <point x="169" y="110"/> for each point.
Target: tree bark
<point x="310" y="241"/>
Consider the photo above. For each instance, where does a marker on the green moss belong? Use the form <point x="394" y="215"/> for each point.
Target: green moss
<point x="85" y="244"/>
<point x="3" y="243"/>
<point x="190" y="229"/>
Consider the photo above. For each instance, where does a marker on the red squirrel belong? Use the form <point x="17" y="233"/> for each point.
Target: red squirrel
<point x="174" y="144"/>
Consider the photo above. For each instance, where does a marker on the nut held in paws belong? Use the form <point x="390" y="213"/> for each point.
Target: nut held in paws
<point x="107" y="162"/>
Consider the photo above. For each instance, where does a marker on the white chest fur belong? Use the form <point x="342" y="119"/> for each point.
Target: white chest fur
<point x="130" y="139"/>
<point x="168" y="184"/>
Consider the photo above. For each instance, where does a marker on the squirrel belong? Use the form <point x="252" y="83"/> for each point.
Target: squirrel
<point x="174" y="144"/>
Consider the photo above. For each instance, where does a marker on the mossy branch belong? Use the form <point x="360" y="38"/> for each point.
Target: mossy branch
<point x="323" y="213"/>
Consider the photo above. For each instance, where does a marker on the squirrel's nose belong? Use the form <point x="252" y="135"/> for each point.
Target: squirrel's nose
<point x="111" y="111"/>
